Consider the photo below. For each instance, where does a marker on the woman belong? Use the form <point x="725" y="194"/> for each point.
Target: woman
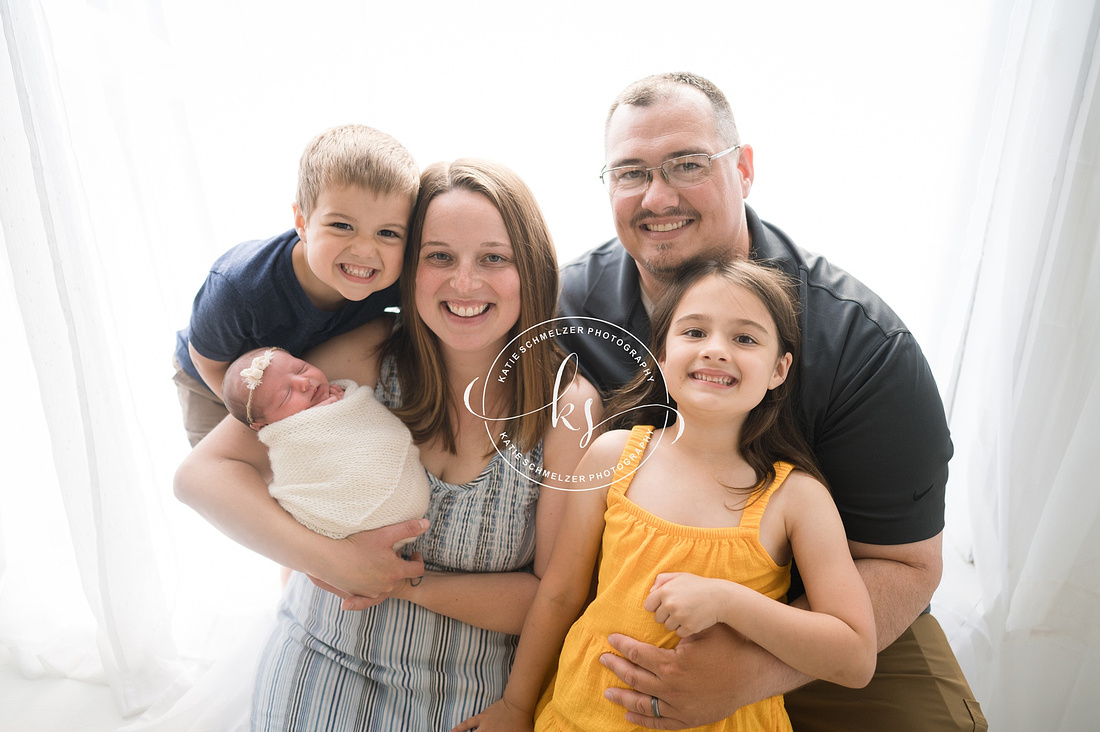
<point x="479" y="271"/>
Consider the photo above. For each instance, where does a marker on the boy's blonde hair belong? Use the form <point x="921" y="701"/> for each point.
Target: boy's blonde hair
<point x="354" y="155"/>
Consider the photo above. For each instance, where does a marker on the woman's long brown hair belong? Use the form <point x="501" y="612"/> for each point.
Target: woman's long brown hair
<point x="426" y="403"/>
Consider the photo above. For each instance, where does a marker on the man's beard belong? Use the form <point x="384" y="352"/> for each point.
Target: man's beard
<point x="667" y="270"/>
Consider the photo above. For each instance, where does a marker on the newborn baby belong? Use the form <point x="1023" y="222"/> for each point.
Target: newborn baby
<point x="342" y="462"/>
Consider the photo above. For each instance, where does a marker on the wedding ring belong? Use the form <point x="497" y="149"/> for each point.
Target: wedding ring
<point x="655" y="706"/>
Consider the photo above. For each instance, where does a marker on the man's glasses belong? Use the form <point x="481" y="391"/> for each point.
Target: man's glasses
<point x="682" y="172"/>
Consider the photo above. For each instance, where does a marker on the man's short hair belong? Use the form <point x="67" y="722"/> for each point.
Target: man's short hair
<point x="354" y="155"/>
<point x="660" y="87"/>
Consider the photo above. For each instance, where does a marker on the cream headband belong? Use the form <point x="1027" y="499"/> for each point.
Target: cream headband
<point x="253" y="377"/>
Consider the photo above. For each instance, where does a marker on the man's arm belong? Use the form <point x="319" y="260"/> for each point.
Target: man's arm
<point x="900" y="580"/>
<point x="709" y="676"/>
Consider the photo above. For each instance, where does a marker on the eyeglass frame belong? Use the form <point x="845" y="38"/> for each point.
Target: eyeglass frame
<point x="664" y="173"/>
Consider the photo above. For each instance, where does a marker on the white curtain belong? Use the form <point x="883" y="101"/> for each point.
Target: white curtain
<point x="101" y="217"/>
<point x="107" y="217"/>
<point x="1021" y="604"/>
<point x="51" y="222"/>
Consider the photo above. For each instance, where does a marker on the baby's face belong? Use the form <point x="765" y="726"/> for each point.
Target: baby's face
<point x="289" y="386"/>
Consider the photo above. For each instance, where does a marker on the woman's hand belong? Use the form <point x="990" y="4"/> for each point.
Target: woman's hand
<point x="499" y="716"/>
<point x="350" y="602"/>
<point x="364" y="569"/>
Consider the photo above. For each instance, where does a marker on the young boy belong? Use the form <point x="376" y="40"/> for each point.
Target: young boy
<point x="342" y="462"/>
<point x="336" y="270"/>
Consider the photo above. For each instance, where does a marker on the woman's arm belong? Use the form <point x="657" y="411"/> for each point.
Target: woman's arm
<point x="500" y="601"/>
<point x="834" y="639"/>
<point x="561" y="595"/>
<point x="491" y="600"/>
<point x="225" y="479"/>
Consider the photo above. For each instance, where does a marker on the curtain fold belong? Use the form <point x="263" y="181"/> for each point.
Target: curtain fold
<point x="51" y="246"/>
<point x="1024" y="400"/>
<point x="105" y="236"/>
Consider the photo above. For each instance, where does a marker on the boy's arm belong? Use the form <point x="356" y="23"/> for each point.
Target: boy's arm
<point x="834" y="639"/>
<point x="211" y="371"/>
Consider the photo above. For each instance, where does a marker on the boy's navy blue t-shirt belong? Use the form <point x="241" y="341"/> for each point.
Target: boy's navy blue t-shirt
<point x="251" y="298"/>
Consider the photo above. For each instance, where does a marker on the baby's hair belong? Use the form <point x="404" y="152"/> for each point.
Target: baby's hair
<point x="236" y="392"/>
<point x="771" y="431"/>
<point x="355" y="155"/>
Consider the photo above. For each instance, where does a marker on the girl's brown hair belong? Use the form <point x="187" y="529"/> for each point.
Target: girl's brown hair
<point x="771" y="431"/>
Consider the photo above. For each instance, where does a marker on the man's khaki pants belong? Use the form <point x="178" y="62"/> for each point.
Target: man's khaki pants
<point x="918" y="686"/>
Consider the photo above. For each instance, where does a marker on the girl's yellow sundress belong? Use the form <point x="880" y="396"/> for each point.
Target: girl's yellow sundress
<point x="636" y="547"/>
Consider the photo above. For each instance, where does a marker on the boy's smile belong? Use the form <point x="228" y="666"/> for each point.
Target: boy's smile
<point x="352" y="245"/>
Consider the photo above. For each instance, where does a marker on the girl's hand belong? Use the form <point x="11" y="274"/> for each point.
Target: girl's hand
<point x="499" y="716"/>
<point x="685" y="603"/>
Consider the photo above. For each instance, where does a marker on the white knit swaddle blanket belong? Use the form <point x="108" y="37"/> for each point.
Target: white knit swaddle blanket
<point x="347" y="466"/>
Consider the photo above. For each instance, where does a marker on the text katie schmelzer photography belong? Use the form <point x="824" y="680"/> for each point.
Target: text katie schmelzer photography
<point x="527" y="345"/>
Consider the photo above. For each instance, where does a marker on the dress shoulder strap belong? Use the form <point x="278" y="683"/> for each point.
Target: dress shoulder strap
<point x="750" y="517"/>
<point x="631" y="458"/>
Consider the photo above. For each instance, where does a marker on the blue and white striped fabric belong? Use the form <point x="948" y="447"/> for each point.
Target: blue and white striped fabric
<point x="397" y="666"/>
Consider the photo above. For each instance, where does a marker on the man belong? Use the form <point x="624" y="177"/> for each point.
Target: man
<point x="867" y="399"/>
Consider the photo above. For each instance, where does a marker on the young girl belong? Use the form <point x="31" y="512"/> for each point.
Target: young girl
<point x="697" y="529"/>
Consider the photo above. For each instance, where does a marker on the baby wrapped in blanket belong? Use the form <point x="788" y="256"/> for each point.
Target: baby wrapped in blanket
<point x="342" y="462"/>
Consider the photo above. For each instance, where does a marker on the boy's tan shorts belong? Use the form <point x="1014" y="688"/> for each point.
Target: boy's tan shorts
<point x="918" y="686"/>
<point x="202" y="410"/>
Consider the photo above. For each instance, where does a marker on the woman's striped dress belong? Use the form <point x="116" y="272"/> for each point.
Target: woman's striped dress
<point x="397" y="666"/>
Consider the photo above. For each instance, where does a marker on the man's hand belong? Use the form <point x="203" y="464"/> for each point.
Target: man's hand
<point x="707" y="677"/>
<point x="364" y="569"/>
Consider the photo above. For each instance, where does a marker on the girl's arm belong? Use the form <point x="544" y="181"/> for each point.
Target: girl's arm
<point x="225" y="479"/>
<point x="563" y="446"/>
<point x="833" y="640"/>
<point x="561" y="595"/>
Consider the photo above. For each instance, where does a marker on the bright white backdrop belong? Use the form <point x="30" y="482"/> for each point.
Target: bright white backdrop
<point x="943" y="152"/>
